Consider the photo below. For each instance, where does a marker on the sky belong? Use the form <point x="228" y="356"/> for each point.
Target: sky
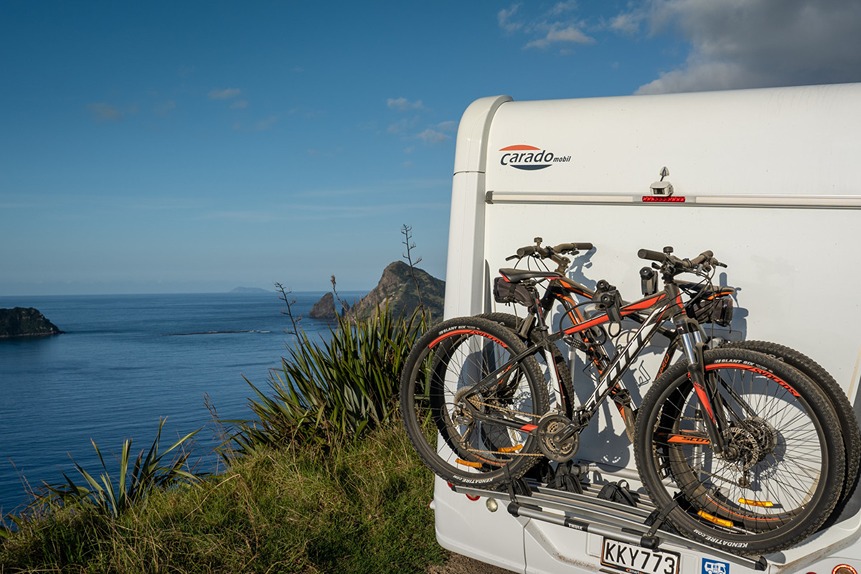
<point x="197" y="146"/>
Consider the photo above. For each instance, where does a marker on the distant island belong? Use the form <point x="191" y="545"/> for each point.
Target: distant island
<point x="250" y="290"/>
<point x="25" y="322"/>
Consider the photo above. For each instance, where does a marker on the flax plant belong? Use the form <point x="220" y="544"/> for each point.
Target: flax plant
<point x="331" y="392"/>
<point x="112" y="496"/>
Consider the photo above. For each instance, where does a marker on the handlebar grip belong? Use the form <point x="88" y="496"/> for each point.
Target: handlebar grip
<point x="702" y="258"/>
<point x="525" y="251"/>
<point x="652" y="255"/>
<point x="576" y="246"/>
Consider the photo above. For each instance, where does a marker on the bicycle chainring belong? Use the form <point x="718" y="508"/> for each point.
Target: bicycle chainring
<point x="552" y="446"/>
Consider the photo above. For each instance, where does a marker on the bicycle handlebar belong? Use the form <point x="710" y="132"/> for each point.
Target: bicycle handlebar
<point x="705" y="259"/>
<point x="548" y="252"/>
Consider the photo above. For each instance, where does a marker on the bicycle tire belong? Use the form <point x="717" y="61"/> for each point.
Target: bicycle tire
<point x="845" y="413"/>
<point x="448" y="361"/>
<point x="717" y="503"/>
<point x="513" y="323"/>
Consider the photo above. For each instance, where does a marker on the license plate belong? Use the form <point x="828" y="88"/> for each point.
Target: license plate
<point x="638" y="560"/>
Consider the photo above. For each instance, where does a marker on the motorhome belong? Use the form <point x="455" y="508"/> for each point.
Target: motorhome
<point x="765" y="178"/>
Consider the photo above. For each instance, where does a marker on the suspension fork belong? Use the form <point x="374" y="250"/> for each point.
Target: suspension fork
<point x="690" y="334"/>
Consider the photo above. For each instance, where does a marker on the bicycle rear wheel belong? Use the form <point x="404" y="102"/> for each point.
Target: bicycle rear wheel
<point x="781" y="472"/>
<point x="469" y="410"/>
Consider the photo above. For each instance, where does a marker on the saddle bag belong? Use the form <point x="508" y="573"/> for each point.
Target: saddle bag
<point x="507" y="292"/>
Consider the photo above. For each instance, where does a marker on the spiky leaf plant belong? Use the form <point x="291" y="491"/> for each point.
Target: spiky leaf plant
<point x="333" y="391"/>
<point x="113" y="495"/>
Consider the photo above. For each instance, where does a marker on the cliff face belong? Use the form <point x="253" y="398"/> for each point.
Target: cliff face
<point x="397" y="288"/>
<point x="25" y="322"/>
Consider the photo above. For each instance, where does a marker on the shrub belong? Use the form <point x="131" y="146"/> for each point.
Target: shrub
<point x="334" y="391"/>
<point x="112" y="496"/>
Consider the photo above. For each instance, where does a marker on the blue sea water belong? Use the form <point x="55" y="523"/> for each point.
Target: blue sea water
<point x="124" y="362"/>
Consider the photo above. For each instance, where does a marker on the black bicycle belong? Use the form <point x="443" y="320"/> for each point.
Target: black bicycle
<point x="709" y="304"/>
<point x="743" y="448"/>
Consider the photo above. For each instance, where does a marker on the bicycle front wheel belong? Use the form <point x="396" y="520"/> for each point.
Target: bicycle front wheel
<point x="780" y="473"/>
<point x="469" y="408"/>
<point x="831" y="389"/>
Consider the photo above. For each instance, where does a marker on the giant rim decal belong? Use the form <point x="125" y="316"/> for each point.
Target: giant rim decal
<point x="758" y="371"/>
<point x="464" y="331"/>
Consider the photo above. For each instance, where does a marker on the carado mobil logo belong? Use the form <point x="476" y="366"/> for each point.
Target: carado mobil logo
<point x="529" y="157"/>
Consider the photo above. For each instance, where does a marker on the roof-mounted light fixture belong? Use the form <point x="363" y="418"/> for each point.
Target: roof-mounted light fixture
<point x="662" y="188"/>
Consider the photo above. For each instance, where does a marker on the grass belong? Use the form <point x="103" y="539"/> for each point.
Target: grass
<point x="362" y="508"/>
<point x="325" y="480"/>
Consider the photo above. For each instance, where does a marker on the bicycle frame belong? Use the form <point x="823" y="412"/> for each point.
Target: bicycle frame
<point x="663" y="306"/>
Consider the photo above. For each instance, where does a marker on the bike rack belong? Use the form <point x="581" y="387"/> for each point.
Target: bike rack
<point x="588" y="513"/>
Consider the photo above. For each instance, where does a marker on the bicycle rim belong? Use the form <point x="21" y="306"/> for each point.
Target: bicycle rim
<point x="465" y="436"/>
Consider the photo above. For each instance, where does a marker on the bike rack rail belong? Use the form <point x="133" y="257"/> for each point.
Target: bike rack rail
<point x="588" y="513"/>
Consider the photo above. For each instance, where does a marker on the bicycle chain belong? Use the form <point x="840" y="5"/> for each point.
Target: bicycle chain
<point x="478" y="403"/>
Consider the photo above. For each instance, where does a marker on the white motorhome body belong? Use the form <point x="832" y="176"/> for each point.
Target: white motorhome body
<point x="770" y="184"/>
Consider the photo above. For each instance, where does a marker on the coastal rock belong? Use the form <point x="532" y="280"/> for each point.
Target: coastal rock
<point x="324" y="308"/>
<point x="25" y="322"/>
<point x="397" y="288"/>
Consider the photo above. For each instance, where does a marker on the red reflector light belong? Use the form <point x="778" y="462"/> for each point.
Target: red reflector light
<point x="663" y="199"/>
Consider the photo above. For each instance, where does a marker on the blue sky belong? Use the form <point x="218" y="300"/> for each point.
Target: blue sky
<point x="198" y="146"/>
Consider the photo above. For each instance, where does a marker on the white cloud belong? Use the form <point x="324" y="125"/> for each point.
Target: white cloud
<point x="404" y="105"/>
<point x="628" y="22"/>
<point x="403" y="125"/>
<point x="558" y="34"/>
<point x="744" y="44"/>
<point x="224" y="94"/>
<point x="261" y="125"/>
<point x="431" y="135"/>
<point x="105" y="112"/>
<point x="505" y="19"/>
<point x="438" y="133"/>
<point x="555" y="27"/>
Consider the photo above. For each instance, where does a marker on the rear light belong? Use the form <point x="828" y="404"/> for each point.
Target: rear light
<point x="663" y="199"/>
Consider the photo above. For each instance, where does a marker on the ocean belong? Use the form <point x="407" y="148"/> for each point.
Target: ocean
<point x="124" y="362"/>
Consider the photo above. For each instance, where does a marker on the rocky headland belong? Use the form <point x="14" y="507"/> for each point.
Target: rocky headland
<point x="25" y="322"/>
<point x="397" y="289"/>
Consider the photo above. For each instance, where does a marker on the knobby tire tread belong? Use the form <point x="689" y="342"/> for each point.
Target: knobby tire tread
<point x="827" y="490"/>
<point x="414" y="367"/>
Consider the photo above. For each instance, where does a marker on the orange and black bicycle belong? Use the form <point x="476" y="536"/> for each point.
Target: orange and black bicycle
<point x="743" y="447"/>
